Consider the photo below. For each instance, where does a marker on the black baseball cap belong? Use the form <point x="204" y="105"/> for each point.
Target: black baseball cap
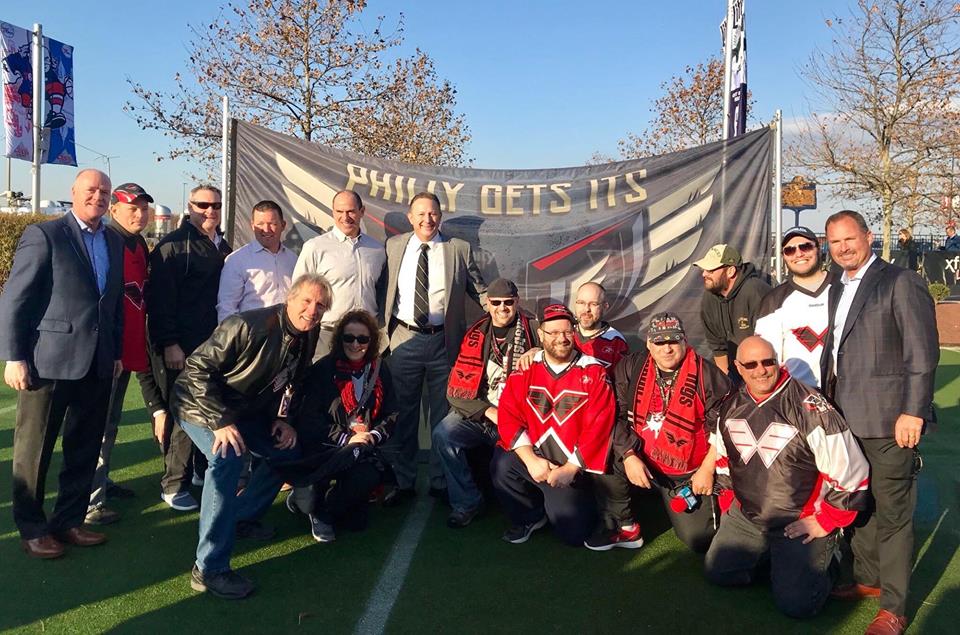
<point x="799" y="230"/>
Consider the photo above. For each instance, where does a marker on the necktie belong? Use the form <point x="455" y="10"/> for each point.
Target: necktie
<point x="421" y="297"/>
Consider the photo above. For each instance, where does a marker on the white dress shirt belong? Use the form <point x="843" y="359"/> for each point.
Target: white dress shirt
<point x="407" y="281"/>
<point x="253" y="277"/>
<point x="352" y="266"/>
<point x="850" y="286"/>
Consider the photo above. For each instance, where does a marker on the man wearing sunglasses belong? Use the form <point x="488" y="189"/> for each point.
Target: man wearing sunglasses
<point x="798" y="475"/>
<point x="185" y="272"/>
<point x="489" y="352"/>
<point x="793" y="317"/>
<point x="730" y="303"/>
<point x="878" y="366"/>
<point x="668" y="398"/>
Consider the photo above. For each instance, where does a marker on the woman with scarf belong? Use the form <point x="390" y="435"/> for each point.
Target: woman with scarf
<point x="344" y="412"/>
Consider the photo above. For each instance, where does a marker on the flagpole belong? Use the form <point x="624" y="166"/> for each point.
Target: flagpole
<point x="37" y="62"/>
<point x="727" y="63"/>
<point x="777" y="192"/>
<point x="227" y="212"/>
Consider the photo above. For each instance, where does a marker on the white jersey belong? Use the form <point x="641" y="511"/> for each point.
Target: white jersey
<point x="795" y="321"/>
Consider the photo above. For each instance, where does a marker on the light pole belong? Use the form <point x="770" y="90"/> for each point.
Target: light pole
<point x="183" y="195"/>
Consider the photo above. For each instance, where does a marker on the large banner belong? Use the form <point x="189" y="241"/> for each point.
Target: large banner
<point x="17" y="73"/>
<point x="633" y="226"/>
<point x="943" y="267"/>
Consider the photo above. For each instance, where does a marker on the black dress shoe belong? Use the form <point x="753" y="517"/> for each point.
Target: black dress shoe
<point x="398" y="496"/>
<point x="117" y="491"/>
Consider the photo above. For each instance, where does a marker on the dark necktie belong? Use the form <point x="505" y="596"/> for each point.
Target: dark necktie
<point x="421" y="297"/>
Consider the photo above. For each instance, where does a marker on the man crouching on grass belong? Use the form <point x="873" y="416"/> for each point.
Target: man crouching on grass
<point x="233" y="396"/>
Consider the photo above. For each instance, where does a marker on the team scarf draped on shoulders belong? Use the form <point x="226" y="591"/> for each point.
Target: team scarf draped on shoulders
<point x="467" y="373"/>
<point x="344" y="372"/>
<point x="679" y="422"/>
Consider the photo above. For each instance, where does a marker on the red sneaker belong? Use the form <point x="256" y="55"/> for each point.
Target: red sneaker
<point x="625" y="537"/>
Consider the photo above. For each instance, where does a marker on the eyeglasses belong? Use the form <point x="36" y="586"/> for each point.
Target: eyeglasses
<point x="766" y="363"/>
<point x="359" y="339"/>
<point x="555" y="334"/>
<point x="206" y="205"/>
<point x="592" y="305"/>
<point x="804" y="248"/>
<point x="509" y="302"/>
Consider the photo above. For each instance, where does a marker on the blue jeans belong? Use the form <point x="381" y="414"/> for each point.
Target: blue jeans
<point x="220" y="507"/>
<point x="452" y="436"/>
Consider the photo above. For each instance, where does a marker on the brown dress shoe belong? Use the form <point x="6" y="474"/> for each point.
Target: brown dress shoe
<point x="886" y="623"/>
<point x="80" y="537"/>
<point x="855" y="592"/>
<point x="45" y="547"/>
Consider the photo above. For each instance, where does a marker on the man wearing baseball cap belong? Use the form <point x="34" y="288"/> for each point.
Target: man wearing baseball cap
<point x="128" y="217"/>
<point x="730" y="303"/>
<point x="793" y="316"/>
<point x="668" y="398"/>
<point x="555" y="421"/>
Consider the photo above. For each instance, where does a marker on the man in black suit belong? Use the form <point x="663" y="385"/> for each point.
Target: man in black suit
<point x="878" y="363"/>
<point x="60" y="332"/>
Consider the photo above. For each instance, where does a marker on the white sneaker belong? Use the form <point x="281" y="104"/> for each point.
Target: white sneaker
<point x="321" y="531"/>
<point x="181" y="501"/>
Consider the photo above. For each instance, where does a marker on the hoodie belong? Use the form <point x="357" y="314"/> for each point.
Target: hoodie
<point x="727" y="321"/>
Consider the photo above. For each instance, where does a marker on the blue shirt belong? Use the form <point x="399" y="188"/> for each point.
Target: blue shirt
<point x="95" y="240"/>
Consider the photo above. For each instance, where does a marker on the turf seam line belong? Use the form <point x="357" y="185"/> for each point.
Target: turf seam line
<point x="385" y="592"/>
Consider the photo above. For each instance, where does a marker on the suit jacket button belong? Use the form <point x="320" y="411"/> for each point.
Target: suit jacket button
<point x="95" y="328"/>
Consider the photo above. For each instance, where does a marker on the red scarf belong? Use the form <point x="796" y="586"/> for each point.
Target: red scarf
<point x="343" y="378"/>
<point x="675" y="443"/>
<point x="468" y="370"/>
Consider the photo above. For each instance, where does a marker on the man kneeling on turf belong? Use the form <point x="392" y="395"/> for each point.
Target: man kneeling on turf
<point x="489" y="352"/>
<point x="668" y="398"/>
<point x="798" y="475"/>
<point x="555" y="420"/>
<point x="233" y="396"/>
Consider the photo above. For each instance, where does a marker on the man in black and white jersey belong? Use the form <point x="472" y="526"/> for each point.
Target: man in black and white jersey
<point x="793" y="316"/>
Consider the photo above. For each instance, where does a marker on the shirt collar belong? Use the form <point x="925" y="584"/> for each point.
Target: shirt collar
<point x="84" y="227"/>
<point x="259" y="247"/>
<point x="859" y="275"/>
<point x="339" y="235"/>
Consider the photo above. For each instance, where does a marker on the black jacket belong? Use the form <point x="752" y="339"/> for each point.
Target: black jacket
<point x="727" y="321"/>
<point x="184" y="281"/>
<point x="231" y="376"/>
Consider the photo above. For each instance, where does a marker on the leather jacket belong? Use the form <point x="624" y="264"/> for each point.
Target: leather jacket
<point x="232" y="376"/>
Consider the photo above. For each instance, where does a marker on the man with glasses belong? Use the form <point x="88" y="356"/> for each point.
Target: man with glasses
<point x="798" y="476"/>
<point x="793" y="316"/>
<point x="731" y="301"/>
<point x="489" y="352"/>
<point x="182" y="307"/>
<point x="594" y="336"/>
<point x="555" y="421"/>
<point x="668" y="398"/>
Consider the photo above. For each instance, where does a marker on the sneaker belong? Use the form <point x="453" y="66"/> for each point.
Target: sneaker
<point x="458" y="519"/>
<point x="605" y="539"/>
<point x="255" y="530"/>
<point x="321" y="531"/>
<point x="181" y="501"/>
<point x="519" y="534"/>
<point x="292" y="505"/>
<point x="117" y="491"/>
<point x="228" y="585"/>
<point x="101" y="515"/>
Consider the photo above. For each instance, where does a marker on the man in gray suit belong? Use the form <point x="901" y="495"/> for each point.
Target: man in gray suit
<point x="429" y="277"/>
<point x="61" y="321"/>
<point x="878" y="366"/>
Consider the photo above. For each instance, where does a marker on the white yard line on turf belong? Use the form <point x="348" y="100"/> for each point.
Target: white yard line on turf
<point x="7" y="409"/>
<point x="384" y="594"/>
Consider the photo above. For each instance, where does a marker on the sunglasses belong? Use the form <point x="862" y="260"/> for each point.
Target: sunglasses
<point x="766" y="363"/>
<point x="206" y="205"/>
<point x="509" y="302"/>
<point x="804" y="248"/>
<point x="359" y="339"/>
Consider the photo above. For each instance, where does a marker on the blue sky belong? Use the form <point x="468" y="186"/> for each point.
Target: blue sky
<point x="542" y="84"/>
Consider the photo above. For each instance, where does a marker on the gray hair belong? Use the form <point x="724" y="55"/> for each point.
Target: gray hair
<point x="311" y="280"/>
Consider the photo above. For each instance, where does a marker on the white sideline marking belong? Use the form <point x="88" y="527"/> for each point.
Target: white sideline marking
<point x="7" y="409"/>
<point x="385" y="592"/>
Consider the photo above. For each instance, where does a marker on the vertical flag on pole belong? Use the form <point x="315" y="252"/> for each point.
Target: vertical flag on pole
<point x="17" y="73"/>
<point x="736" y="84"/>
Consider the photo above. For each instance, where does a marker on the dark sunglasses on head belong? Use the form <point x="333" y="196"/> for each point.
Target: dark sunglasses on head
<point x="359" y="339"/>
<point x="804" y="248"/>
<point x="206" y="205"/>
<point x="767" y="363"/>
<point x="509" y="302"/>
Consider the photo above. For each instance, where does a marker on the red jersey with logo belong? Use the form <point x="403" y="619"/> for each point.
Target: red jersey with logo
<point x="608" y="346"/>
<point x="134" y="354"/>
<point x="566" y="414"/>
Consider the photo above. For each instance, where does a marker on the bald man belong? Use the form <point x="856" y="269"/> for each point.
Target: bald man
<point x="61" y="321"/>
<point x="593" y="335"/>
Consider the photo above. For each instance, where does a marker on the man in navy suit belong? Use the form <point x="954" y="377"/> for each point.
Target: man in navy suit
<point x="60" y="333"/>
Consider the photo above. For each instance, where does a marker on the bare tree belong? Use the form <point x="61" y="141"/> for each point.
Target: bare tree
<point x="886" y="96"/>
<point x="307" y="68"/>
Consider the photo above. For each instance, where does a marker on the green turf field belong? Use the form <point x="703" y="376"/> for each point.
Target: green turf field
<point x="458" y="581"/>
